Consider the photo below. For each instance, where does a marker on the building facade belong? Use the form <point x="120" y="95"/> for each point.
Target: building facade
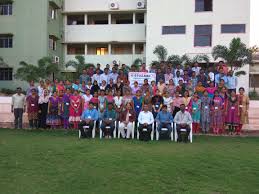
<point x="29" y="30"/>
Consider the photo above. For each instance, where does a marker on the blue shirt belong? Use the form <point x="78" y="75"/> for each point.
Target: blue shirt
<point x="164" y="117"/>
<point x="90" y="114"/>
<point x="109" y="114"/>
<point x="232" y="82"/>
<point x="218" y="77"/>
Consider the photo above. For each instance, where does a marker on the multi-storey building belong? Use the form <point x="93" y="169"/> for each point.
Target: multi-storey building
<point x="29" y="30"/>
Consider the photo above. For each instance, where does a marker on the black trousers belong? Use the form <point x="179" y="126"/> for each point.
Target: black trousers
<point x="43" y="115"/>
<point x="18" y="114"/>
<point x="180" y="133"/>
<point x="108" y="131"/>
<point x="86" y="133"/>
<point x="144" y="135"/>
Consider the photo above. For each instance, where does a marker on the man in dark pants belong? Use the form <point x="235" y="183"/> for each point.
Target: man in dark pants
<point x="18" y="107"/>
<point x="183" y="120"/>
<point x="146" y="120"/>
<point x="108" y="123"/>
<point x="88" y="118"/>
<point x="164" y="120"/>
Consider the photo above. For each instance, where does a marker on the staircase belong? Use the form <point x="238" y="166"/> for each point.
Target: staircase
<point x="253" y="125"/>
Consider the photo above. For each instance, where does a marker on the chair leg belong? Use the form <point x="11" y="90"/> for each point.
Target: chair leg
<point x="79" y="134"/>
<point x="101" y="134"/>
<point x="157" y="135"/>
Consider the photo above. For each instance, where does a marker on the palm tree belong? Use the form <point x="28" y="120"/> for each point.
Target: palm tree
<point x="27" y="72"/>
<point x="236" y="55"/>
<point x="47" y="68"/>
<point x="79" y="64"/>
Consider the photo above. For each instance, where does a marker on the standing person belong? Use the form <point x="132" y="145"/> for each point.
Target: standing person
<point x="135" y="88"/>
<point x="177" y="78"/>
<point x="168" y="76"/>
<point x="43" y="109"/>
<point x="171" y="87"/>
<point x="186" y="100"/>
<point x="75" y="109"/>
<point x="232" y="113"/>
<point x="84" y="77"/>
<point x="183" y="120"/>
<point x="95" y="88"/>
<point x="126" y="118"/>
<point x="113" y="75"/>
<point x="31" y="87"/>
<point x="105" y="76"/>
<point x="53" y="118"/>
<point x="18" y="108"/>
<point x="119" y="86"/>
<point x="146" y="120"/>
<point x="109" y="119"/>
<point x="205" y="112"/>
<point x="231" y="82"/>
<point x="40" y="88"/>
<point x="177" y="101"/>
<point x="88" y="118"/>
<point x="243" y="107"/>
<point x="157" y="103"/>
<point x="195" y="108"/>
<point x="110" y="86"/>
<point x="168" y="100"/>
<point x="217" y="113"/>
<point x="138" y="102"/>
<point x="86" y="99"/>
<point x="160" y="75"/>
<point x="211" y="89"/>
<point x="194" y="79"/>
<point x="65" y="108"/>
<point x="97" y="77"/>
<point x="102" y="104"/>
<point x="33" y="108"/>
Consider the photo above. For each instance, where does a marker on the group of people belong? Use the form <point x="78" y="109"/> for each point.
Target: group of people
<point x="204" y="98"/>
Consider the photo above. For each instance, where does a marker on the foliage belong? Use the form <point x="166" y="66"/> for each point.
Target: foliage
<point x="253" y="95"/>
<point x="239" y="73"/>
<point x="161" y="53"/>
<point x="236" y="55"/>
<point x="8" y="91"/>
<point x="55" y="162"/>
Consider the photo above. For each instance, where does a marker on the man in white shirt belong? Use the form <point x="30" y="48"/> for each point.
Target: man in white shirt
<point x="178" y="68"/>
<point x="168" y="76"/>
<point x="97" y="77"/>
<point x="113" y="75"/>
<point x="177" y="78"/>
<point x="196" y="68"/>
<point x="146" y="120"/>
<point x="183" y="120"/>
<point x="105" y="76"/>
<point x="232" y="82"/>
<point x="18" y="108"/>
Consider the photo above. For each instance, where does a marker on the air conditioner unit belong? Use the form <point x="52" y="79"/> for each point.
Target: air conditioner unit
<point x="141" y="5"/>
<point x="56" y="59"/>
<point x="114" y="5"/>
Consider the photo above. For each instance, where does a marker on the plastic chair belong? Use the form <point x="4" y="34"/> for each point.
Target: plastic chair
<point x="87" y="127"/>
<point x="152" y="132"/>
<point x="165" y="129"/>
<point x="132" y="132"/>
<point x="101" y="132"/>
<point x="176" y="135"/>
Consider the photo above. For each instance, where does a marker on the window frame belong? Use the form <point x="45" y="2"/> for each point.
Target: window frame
<point x="7" y="41"/>
<point x="221" y="28"/>
<point x="200" y="35"/>
<point x="101" y="50"/>
<point x="202" y="11"/>
<point x="173" y="33"/>
<point x="9" y="7"/>
<point x="6" y="71"/>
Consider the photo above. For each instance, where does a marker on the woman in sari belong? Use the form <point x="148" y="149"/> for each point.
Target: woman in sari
<point x="43" y="109"/>
<point x="217" y="110"/>
<point x="186" y="100"/>
<point x="86" y="99"/>
<point x="243" y="107"/>
<point x="75" y="109"/>
<point x="138" y="102"/>
<point x="171" y="87"/>
<point x="65" y="108"/>
<point x="211" y="89"/>
<point x="205" y="112"/>
<point x="53" y="118"/>
<point x="33" y="108"/>
<point x="195" y="109"/>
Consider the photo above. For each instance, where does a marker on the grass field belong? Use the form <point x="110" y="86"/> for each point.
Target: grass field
<point x="54" y="162"/>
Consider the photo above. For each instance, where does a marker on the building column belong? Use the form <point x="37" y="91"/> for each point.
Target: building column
<point x="86" y="49"/>
<point x="144" y="49"/>
<point x="133" y="49"/>
<point x="86" y="19"/>
<point x="145" y="18"/>
<point x="134" y="18"/>
<point x="65" y="20"/>
<point x="109" y="18"/>
<point x="109" y="49"/>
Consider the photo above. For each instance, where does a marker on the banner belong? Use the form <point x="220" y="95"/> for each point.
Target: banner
<point x="140" y="77"/>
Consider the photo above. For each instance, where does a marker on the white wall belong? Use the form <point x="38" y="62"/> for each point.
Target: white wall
<point x="105" y="33"/>
<point x="254" y="17"/>
<point x="175" y="12"/>
<point x="97" y="5"/>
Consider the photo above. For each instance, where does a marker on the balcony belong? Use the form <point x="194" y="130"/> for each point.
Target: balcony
<point x="105" y="33"/>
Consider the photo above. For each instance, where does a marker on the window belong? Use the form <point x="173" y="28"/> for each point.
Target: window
<point x="52" y="13"/>
<point x="203" y="5"/>
<point x="233" y="28"/>
<point x="6" y="74"/>
<point x="121" y="49"/>
<point x="6" y="9"/>
<point x="6" y="41"/>
<point x="122" y="19"/>
<point x="173" y="30"/>
<point x="203" y="35"/>
<point x="101" y="51"/>
<point x="75" y="49"/>
<point x="140" y="18"/>
<point x="139" y="49"/>
<point x="52" y="43"/>
<point x="75" y="20"/>
<point x="98" y="19"/>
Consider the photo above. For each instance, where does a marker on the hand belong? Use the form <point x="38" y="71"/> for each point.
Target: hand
<point x="145" y="124"/>
<point x="12" y="110"/>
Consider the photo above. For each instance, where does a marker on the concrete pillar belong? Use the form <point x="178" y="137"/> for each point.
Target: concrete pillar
<point x="86" y="49"/>
<point x="109" y="49"/>
<point x="109" y="18"/>
<point x="134" y="18"/>
<point x="133" y="49"/>
<point x="86" y="19"/>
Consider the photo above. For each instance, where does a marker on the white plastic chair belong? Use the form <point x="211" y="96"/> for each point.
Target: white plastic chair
<point x="152" y="132"/>
<point x="165" y="129"/>
<point x="87" y="127"/>
<point x="132" y="132"/>
<point x="101" y="132"/>
<point x="176" y="135"/>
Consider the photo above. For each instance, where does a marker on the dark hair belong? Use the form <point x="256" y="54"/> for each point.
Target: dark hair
<point x="241" y="88"/>
<point x="164" y="106"/>
<point x="19" y="88"/>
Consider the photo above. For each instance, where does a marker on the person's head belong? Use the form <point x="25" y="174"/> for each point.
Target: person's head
<point x="222" y="82"/>
<point x="171" y="82"/>
<point x="95" y="83"/>
<point x="145" y="81"/>
<point x="61" y="82"/>
<point x="128" y="106"/>
<point x="159" y="71"/>
<point x="107" y="66"/>
<point x="212" y="84"/>
<point x="95" y="94"/>
<point x="56" y="81"/>
<point x="182" y="107"/>
<point x="166" y="94"/>
<point x="127" y="92"/>
<point x="196" y="64"/>
<point x="91" y="105"/>
<point x="47" y="81"/>
<point x="111" y="81"/>
<point x="102" y="92"/>
<point x="180" y="82"/>
<point x="45" y="93"/>
<point x="145" y="107"/>
<point x="157" y="92"/>
<point x="84" y="71"/>
<point x="161" y="81"/>
<point x="147" y="93"/>
<point x="31" y="83"/>
<point x="138" y="93"/>
<point x="153" y="83"/>
<point x="221" y="70"/>
<point x="19" y="90"/>
<point x="241" y="90"/>
<point x="221" y="63"/>
<point x="110" y="106"/>
<point x="232" y="93"/>
<point x="199" y="83"/>
<point x="119" y="80"/>
<point x="210" y="69"/>
<point x="114" y="70"/>
<point x="178" y="66"/>
<point x="97" y="71"/>
<point x="193" y="74"/>
<point x="106" y="70"/>
<point x="68" y="91"/>
<point x="168" y="70"/>
<point x="98" y="65"/>
<point x="61" y="92"/>
<point x="87" y="92"/>
<point x="33" y="92"/>
<point x="216" y="93"/>
<point x="186" y="94"/>
<point x="201" y="71"/>
<point x="55" y="94"/>
<point x="41" y="83"/>
<point x="77" y="81"/>
<point x="205" y="93"/>
<point x="164" y="108"/>
<point x="185" y="72"/>
<point x="110" y="92"/>
<point x="83" y="83"/>
<point x="103" y="83"/>
<point x="178" y="73"/>
<point x="75" y="92"/>
<point x="195" y="95"/>
<point x="177" y="94"/>
<point x="118" y="93"/>
<point x="136" y="84"/>
<point x="89" y="83"/>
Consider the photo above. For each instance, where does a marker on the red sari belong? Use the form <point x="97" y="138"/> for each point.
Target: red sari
<point x="75" y="109"/>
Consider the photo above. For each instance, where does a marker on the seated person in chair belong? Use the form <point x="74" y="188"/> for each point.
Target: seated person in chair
<point x="183" y="120"/>
<point x="145" y="120"/>
<point x="127" y="117"/>
<point x="88" y="118"/>
<point x="164" y="119"/>
<point x="108" y="123"/>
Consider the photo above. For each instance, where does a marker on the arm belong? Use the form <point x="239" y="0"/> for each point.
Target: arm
<point x="189" y="119"/>
<point x="140" y="118"/>
<point x="12" y="104"/>
<point x="176" y="119"/>
<point x="151" y="118"/>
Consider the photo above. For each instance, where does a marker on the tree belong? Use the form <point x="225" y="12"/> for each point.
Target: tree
<point x="79" y="64"/>
<point x="236" y="55"/>
<point x="47" y="68"/>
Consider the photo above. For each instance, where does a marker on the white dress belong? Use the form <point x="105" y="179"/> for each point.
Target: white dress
<point x="167" y="102"/>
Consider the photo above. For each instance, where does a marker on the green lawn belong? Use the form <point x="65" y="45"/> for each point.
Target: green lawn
<point x="55" y="162"/>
